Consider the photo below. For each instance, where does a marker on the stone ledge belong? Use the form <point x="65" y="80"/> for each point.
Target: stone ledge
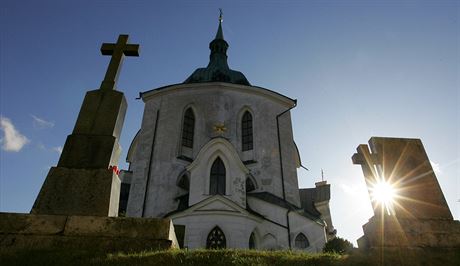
<point x="11" y="242"/>
<point x="117" y="227"/>
<point x="25" y="231"/>
<point x="18" y="223"/>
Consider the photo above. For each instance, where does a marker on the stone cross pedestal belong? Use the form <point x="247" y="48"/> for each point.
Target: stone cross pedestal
<point x="71" y="211"/>
<point x="82" y="183"/>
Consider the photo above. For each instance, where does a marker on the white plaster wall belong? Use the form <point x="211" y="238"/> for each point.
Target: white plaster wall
<point x="237" y="229"/>
<point x="289" y="157"/>
<point x="312" y="230"/>
<point x="212" y="103"/>
<point x="298" y="224"/>
<point x="140" y="162"/>
<point x="323" y="208"/>
<point x="270" y="211"/>
<point x="235" y="172"/>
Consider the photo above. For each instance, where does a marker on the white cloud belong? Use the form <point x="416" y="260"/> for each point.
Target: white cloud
<point x="13" y="140"/>
<point x="436" y="167"/>
<point x="42" y="123"/>
<point x="57" y="149"/>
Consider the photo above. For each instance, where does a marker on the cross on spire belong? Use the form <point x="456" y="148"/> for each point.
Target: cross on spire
<point x="117" y="51"/>
<point x="221" y="15"/>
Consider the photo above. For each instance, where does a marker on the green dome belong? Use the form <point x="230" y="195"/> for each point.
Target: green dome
<point x="217" y="69"/>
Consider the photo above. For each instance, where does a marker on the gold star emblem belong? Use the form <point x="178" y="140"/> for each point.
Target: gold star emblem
<point x="219" y="128"/>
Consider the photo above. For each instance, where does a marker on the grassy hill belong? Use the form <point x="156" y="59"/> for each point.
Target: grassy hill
<point x="226" y="257"/>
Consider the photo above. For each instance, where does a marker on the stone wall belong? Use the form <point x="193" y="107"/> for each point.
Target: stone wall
<point x="211" y="103"/>
<point x="28" y="231"/>
<point x="404" y="232"/>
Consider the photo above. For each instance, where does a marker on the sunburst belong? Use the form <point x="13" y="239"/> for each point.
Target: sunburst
<point x="384" y="194"/>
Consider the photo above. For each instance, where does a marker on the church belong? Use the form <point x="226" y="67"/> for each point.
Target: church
<point x="217" y="156"/>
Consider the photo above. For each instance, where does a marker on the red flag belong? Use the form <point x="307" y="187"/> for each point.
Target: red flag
<point x="114" y="169"/>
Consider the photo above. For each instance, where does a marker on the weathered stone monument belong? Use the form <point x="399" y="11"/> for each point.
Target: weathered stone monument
<point x="81" y="192"/>
<point x="82" y="183"/>
<point x="419" y="216"/>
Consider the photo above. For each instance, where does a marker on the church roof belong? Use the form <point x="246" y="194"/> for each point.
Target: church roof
<point x="308" y="197"/>
<point x="312" y="214"/>
<point x="218" y="69"/>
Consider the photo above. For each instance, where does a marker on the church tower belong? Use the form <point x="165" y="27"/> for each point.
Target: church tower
<point x="217" y="156"/>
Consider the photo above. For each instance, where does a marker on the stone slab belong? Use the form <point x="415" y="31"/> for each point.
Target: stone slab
<point x="29" y="231"/>
<point x="91" y="192"/>
<point x="31" y="224"/>
<point x="97" y="243"/>
<point x="403" y="232"/>
<point x="121" y="227"/>
<point x="89" y="151"/>
<point x="404" y="163"/>
<point x="102" y="113"/>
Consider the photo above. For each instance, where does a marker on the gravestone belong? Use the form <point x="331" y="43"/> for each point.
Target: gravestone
<point x="420" y="216"/>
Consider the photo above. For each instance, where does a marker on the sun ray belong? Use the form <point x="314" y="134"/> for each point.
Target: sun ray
<point x="383" y="195"/>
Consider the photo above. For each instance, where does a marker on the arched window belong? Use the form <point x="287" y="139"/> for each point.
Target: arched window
<point x="216" y="239"/>
<point x="301" y="241"/>
<point x="249" y="185"/>
<point x="217" y="178"/>
<point x="188" y="128"/>
<point x="246" y="131"/>
<point x="252" y="241"/>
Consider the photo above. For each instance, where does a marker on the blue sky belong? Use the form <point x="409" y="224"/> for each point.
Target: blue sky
<point x="358" y="69"/>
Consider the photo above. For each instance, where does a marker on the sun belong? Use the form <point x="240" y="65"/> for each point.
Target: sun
<point x="383" y="193"/>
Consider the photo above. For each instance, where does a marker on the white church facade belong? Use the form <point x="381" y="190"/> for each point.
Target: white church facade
<point x="217" y="156"/>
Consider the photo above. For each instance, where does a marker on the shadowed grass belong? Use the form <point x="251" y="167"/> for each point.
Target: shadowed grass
<point x="228" y="257"/>
<point x="167" y="258"/>
<point x="223" y="257"/>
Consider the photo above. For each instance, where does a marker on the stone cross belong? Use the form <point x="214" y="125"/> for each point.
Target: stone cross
<point x="117" y="51"/>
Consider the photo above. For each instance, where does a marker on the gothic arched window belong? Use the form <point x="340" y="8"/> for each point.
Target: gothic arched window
<point x="252" y="241"/>
<point x="188" y="128"/>
<point x="246" y="131"/>
<point x="217" y="178"/>
<point x="301" y="241"/>
<point x="216" y="239"/>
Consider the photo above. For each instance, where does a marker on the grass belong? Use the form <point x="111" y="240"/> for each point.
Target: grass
<point x="167" y="258"/>
<point x="223" y="257"/>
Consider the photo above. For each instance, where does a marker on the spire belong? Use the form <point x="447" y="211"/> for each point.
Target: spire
<point x="217" y="69"/>
<point x="218" y="47"/>
<point x="220" y="34"/>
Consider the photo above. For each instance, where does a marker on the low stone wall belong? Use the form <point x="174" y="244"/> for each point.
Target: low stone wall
<point x="404" y="232"/>
<point x="29" y="231"/>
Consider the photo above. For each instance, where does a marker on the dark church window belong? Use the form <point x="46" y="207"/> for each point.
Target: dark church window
<point x="249" y="185"/>
<point x="252" y="241"/>
<point x="124" y="195"/>
<point x="184" y="183"/>
<point x="301" y="241"/>
<point x="216" y="239"/>
<point x="217" y="178"/>
<point x="246" y="131"/>
<point x="188" y="128"/>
